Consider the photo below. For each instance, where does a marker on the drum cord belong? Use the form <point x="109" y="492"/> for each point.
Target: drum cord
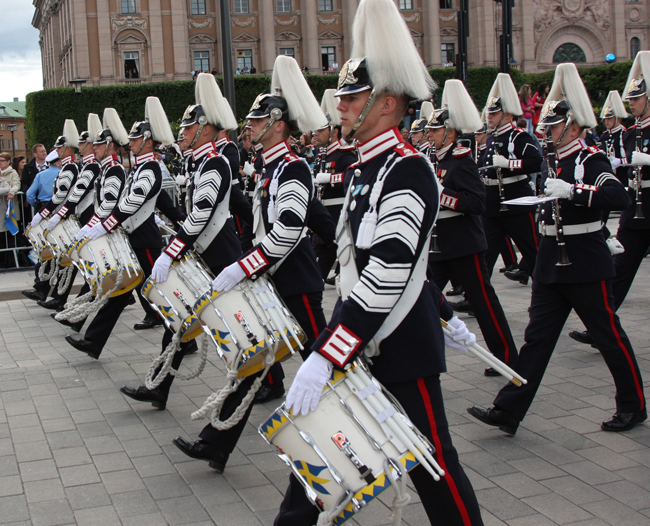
<point x="153" y="380"/>
<point x="43" y="274"/>
<point x="65" y="278"/>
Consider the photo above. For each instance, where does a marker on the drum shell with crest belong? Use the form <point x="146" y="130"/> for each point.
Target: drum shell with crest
<point x="36" y="236"/>
<point x="62" y="239"/>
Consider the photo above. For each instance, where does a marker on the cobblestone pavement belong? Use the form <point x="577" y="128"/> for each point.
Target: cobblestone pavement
<point x="74" y="450"/>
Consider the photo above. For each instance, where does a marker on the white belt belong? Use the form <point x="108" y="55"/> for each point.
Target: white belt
<point x="446" y="214"/>
<point x="251" y="193"/>
<point x="334" y="201"/>
<point x="571" y="230"/>
<point x="504" y="180"/>
<point x="644" y="184"/>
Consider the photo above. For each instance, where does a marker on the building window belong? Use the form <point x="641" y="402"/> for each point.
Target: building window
<point x="202" y="61"/>
<point x="241" y="7"/>
<point x="284" y="6"/>
<point x="328" y="57"/>
<point x="2" y="111"/>
<point x="325" y="5"/>
<point x="288" y="51"/>
<point x="198" y="7"/>
<point x="244" y="59"/>
<point x="635" y="47"/>
<point x="131" y="65"/>
<point x="569" y="52"/>
<point x="448" y="52"/>
<point x="128" y="6"/>
<point x="405" y="5"/>
<point x="446" y="4"/>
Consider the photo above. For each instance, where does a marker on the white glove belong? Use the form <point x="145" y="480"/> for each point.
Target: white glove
<point x="160" y="270"/>
<point x="322" y="178"/>
<point x="36" y="219"/>
<point x="159" y="221"/>
<point x="615" y="246"/>
<point x="96" y="231"/>
<point x="180" y="180"/>
<point x="616" y="162"/>
<point x="500" y="161"/>
<point x="54" y="220"/>
<point x="558" y="188"/>
<point x="640" y="159"/>
<point x="460" y="332"/>
<point x="308" y="385"/>
<point x="82" y="233"/>
<point x="228" y="278"/>
<point x="249" y="169"/>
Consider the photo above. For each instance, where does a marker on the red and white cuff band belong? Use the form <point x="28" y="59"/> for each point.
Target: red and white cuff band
<point x="341" y="345"/>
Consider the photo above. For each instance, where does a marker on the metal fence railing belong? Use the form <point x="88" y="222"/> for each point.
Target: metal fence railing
<point x="15" y="250"/>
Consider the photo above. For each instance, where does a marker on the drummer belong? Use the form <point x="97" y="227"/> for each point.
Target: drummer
<point x="134" y="212"/>
<point x="384" y="235"/>
<point x="213" y="239"/>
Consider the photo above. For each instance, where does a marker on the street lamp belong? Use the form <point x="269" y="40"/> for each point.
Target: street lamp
<point x="12" y="128"/>
<point x="77" y="83"/>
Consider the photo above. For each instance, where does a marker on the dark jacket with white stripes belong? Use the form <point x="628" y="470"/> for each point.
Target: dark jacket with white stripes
<point x="85" y="184"/>
<point x="627" y="217"/>
<point x="108" y="187"/>
<point x="338" y="159"/>
<point x="611" y="142"/>
<point x="298" y="273"/>
<point x="209" y="186"/>
<point x="63" y="185"/>
<point x="142" y="185"/>
<point x="462" y="202"/>
<point x="240" y="206"/>
<point x="406" y="208"/>
<point x="596" y="190"/>
<point x="516" y="145"/>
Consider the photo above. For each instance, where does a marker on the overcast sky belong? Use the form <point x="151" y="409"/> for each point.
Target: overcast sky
<point x="20" y="55"/>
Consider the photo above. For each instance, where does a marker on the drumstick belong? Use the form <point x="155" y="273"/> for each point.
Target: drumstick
<point x="264" y="292"/>
<point x="489" y="359"/>
<point x="287" y="321"/>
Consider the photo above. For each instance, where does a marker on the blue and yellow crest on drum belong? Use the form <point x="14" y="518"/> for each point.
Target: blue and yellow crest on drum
<point x="310" y="474"/>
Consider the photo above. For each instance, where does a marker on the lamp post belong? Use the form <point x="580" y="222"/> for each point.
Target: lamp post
<point x="77" y="83"/>
<point x="12" y="128"/>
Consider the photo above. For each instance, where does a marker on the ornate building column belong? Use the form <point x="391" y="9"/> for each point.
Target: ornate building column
<point x="267" y="36"/>
<point x="431" y="44"/>
<point x="348" y="8"/>
<point x="310" y="36"/>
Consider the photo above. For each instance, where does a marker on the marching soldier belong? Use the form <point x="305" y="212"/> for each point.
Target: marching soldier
<point x="134" y="211"/>
<point x="574" y="267"/>
<point x="611" y="140"/>
<point x="510" y="157"/>
<point x="418" y="136"/>
<point x="391" y="205"/>
<point x="460" y="236"/>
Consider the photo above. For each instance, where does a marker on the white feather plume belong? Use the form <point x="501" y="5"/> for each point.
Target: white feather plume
<point x="504" y="88"/>
<point x="94" y="126"/>
<point x="426" y="110"/>
<point x="214" y="104"/>
<point x="381" y="35"/>
<point x="70" y="133"/>
<point x="640" y="68"/>
<point x="112" y="122"/>
<point x="462" y="111"/>
<point x="155" y="114"/>
<point x="615" y="104"/>
<point x="303" y="106"/>
<point x="568" y="85"/>
<point x="328" y="104"/>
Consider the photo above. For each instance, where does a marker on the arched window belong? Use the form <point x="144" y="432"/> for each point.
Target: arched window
<point x="569" y="52"/>
<point x="635" y="47"/>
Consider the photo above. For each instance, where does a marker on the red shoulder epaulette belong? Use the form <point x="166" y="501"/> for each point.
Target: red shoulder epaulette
<point x="212" y="155"/>
<point x="520" y="129"/>
<point x="291" y="157"/>
<point x="347" y="148"/>
<point x="593" y="149"/>
<point x="405" y="149"/>
<point x="461" y="151"/>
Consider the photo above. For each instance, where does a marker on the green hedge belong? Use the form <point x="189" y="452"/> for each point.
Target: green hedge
<point x="47" y="109"/>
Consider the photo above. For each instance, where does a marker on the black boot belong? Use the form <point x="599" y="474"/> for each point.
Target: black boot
<point x="495" y="417"/>
<point x="517" y="275"/>
<point x="462" y="306"/>
<point x="76" y="326"/>
<point x="157" y="398"/>
<point x="201" y="450"/>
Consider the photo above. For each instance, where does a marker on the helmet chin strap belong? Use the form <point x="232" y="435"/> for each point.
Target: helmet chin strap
<point x="144" y="139"/>
<point x="503" y="114"/>
<point x="568" y="123"/>
<point x="276" y="115"/>
<point x="362" y="115"/>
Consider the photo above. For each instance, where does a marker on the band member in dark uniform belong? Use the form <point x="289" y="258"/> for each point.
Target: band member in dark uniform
<point x="511" y="155"/>
<point x="384" y="261"/>
<point x="283" y="193"/>
<point x="461" y="241"/>
<point x="574" y="267"/>
<point x="611" y="140"/>
<point x="418" y="135"/>
<point x="334" y="158"/>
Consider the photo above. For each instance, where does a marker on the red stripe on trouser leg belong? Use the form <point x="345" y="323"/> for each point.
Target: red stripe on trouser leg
<point x="305" y="299"/>
<point x="438" y="445"/>
<point x="619" y="340"/>
<point x="512" y="252"/>
<point x="150" y="258"/>
<point x="532" y="224"/>
<point x="269" y="377"/>
<point x="506" y="347"/>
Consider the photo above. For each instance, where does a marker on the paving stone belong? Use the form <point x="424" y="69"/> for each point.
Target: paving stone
<point x="122" y="481"/>
<point x="42" y="490"/>
<point x="184" y="510"/>
<point x="100" y="516"/>
<point x="38" y="470"/>
<point x="79" y="475"/>
<point x="557" y="508"/>
<point x="50" y="513"/>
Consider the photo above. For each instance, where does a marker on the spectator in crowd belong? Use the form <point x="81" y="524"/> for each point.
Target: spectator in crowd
<point x="11" y="176"/>
<point x="306" y="148"/>
<point x="18" y="163"/>
<point x="538" y="100"/>
<point x="253" y="70"/>
<point x="37" y="164"/>
<point x="41" y="190"/>
<point x="405" y="134"/>
<point x="527" y="107"/>
<point x="214" y="72"/>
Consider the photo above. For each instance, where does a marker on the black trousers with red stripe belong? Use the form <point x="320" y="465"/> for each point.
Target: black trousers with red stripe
<point x="308" y="311"/>
<point x="449" y="502"/>
<point x="472" y="273"/>
<point x="636" y="243"/>
<point x="594" y="304"/>
<point x="520" y="228"/>
<point x="102" y="325"/>
<point x="508" y="253"/>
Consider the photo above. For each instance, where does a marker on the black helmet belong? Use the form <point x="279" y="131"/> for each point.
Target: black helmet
<point x="84" y="136"/>
<point x="637" y="88"/>
<point x="140" y="129"/>
<point x="194" y="113"/>
<point x="494" y="105"/>
<point x="354" y="77"/>
<point x="554" y="112"/>
<point x="438" y="119"/>
<point x="267" y="105"/>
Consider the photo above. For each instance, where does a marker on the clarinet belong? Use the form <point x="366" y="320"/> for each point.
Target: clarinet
<point x="502" y="206"/>
<point x="638" y="174"/>
<point x="435" y="247"/>
<point x="562" y="255"/>
<point x="318" y="166"/>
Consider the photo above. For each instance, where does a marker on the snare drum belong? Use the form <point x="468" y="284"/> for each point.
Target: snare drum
<point x="188" y="280"/>
<point x="36" y="236"/>
<point x="62" y="239"/>
<point x="101" y="259"/>
<point x="339" y="452"/>
<point x="246" y="322"/>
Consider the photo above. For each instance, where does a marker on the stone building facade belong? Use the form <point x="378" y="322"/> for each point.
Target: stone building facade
<point x="135" y="41"/>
